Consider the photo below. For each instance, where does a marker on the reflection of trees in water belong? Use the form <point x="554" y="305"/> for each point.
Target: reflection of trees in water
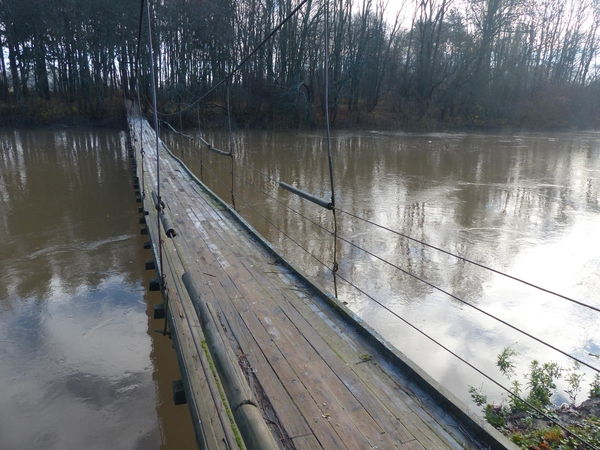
<point x="53" y="182"/>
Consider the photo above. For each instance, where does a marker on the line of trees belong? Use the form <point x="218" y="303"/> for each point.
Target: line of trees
<point x="476" y="63"/>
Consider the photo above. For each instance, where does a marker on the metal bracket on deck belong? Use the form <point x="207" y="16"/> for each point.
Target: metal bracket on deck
<point x="164" y="219"/>
<point x="311" y="198"/>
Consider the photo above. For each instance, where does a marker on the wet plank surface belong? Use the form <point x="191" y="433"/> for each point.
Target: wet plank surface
<point x="305" y="366"/>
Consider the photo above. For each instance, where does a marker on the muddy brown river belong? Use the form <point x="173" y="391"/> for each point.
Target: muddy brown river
<point x="80" y="364"/>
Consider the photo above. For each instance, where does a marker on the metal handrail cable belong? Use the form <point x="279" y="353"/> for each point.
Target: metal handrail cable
<point x="462" y="258"/>
<point x="460" y="358"/>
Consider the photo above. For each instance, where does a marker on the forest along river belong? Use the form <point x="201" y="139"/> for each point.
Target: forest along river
<point x="526" y="204"/>
<point x="79" y="366"/>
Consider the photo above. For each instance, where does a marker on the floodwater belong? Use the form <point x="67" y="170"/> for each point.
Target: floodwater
<point x="525" y="204"/>
<point x="80" y="364"/>
<point x="80" y="367"/>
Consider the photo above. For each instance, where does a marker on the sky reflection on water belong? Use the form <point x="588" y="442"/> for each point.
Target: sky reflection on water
<point x="75" y="355"/>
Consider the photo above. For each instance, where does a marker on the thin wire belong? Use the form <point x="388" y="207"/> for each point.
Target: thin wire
<point x="139" y="42"/>
<point x="239" y="66"/>
<point x="471" y="305"/>
<point x="225" y="185"/>
<point x="401" y="269"/>
<point x="200" y="144"/>
<point x="413" y="326"/>
<point x="230" y="148"/>
<point x="326" y="83"/>
<point x="285" y="206"/>
<point x="417" y="277"/>
<point x="269" y="177"/>
<point x="156" y="131"/>
<point x="142" y="152"/>
<point x="496" y="271"/>
<point x="465" y="362"/>
<point x="470" y="261"/>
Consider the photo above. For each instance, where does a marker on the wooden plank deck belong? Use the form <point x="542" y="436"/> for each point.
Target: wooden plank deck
<point x="301" y="362"/>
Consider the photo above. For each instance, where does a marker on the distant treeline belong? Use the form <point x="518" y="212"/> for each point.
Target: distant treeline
<point x="437" y="63"/>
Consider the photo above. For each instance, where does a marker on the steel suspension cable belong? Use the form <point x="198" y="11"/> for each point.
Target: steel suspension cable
<point x="335" y="237"/>
<point x="411" y="325"/>
<point x="404" y="320"/>
<point x="156" y="131"/>
<point x="412" y="275"/>
<point x="200" y="145"/>
<point x="286" y="235"/>
<point x="139" y="42"/>
<point x="230" y="148"/>
<point x="217" y="177"/>
<point x="406" y="272"/>
<point x="433" y="247"/>
<point x="142" y="152"/>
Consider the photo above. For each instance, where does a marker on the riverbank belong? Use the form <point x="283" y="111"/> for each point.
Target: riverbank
<point x="531" y="432"/>
<point x="108" y="112"/>
<point x="36" y="112"/>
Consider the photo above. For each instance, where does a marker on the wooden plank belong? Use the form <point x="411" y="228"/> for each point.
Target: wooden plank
<point x="244" y="281"/>
<point x="295" y="426"/>
<point x="370" y="429"/>
<point x="307" y="442"/>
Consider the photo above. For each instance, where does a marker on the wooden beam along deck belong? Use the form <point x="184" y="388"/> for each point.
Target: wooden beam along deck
<point x="267" y="360"/>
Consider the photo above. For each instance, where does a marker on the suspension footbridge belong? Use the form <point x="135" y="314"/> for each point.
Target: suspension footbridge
<point x="267" y="359"/>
